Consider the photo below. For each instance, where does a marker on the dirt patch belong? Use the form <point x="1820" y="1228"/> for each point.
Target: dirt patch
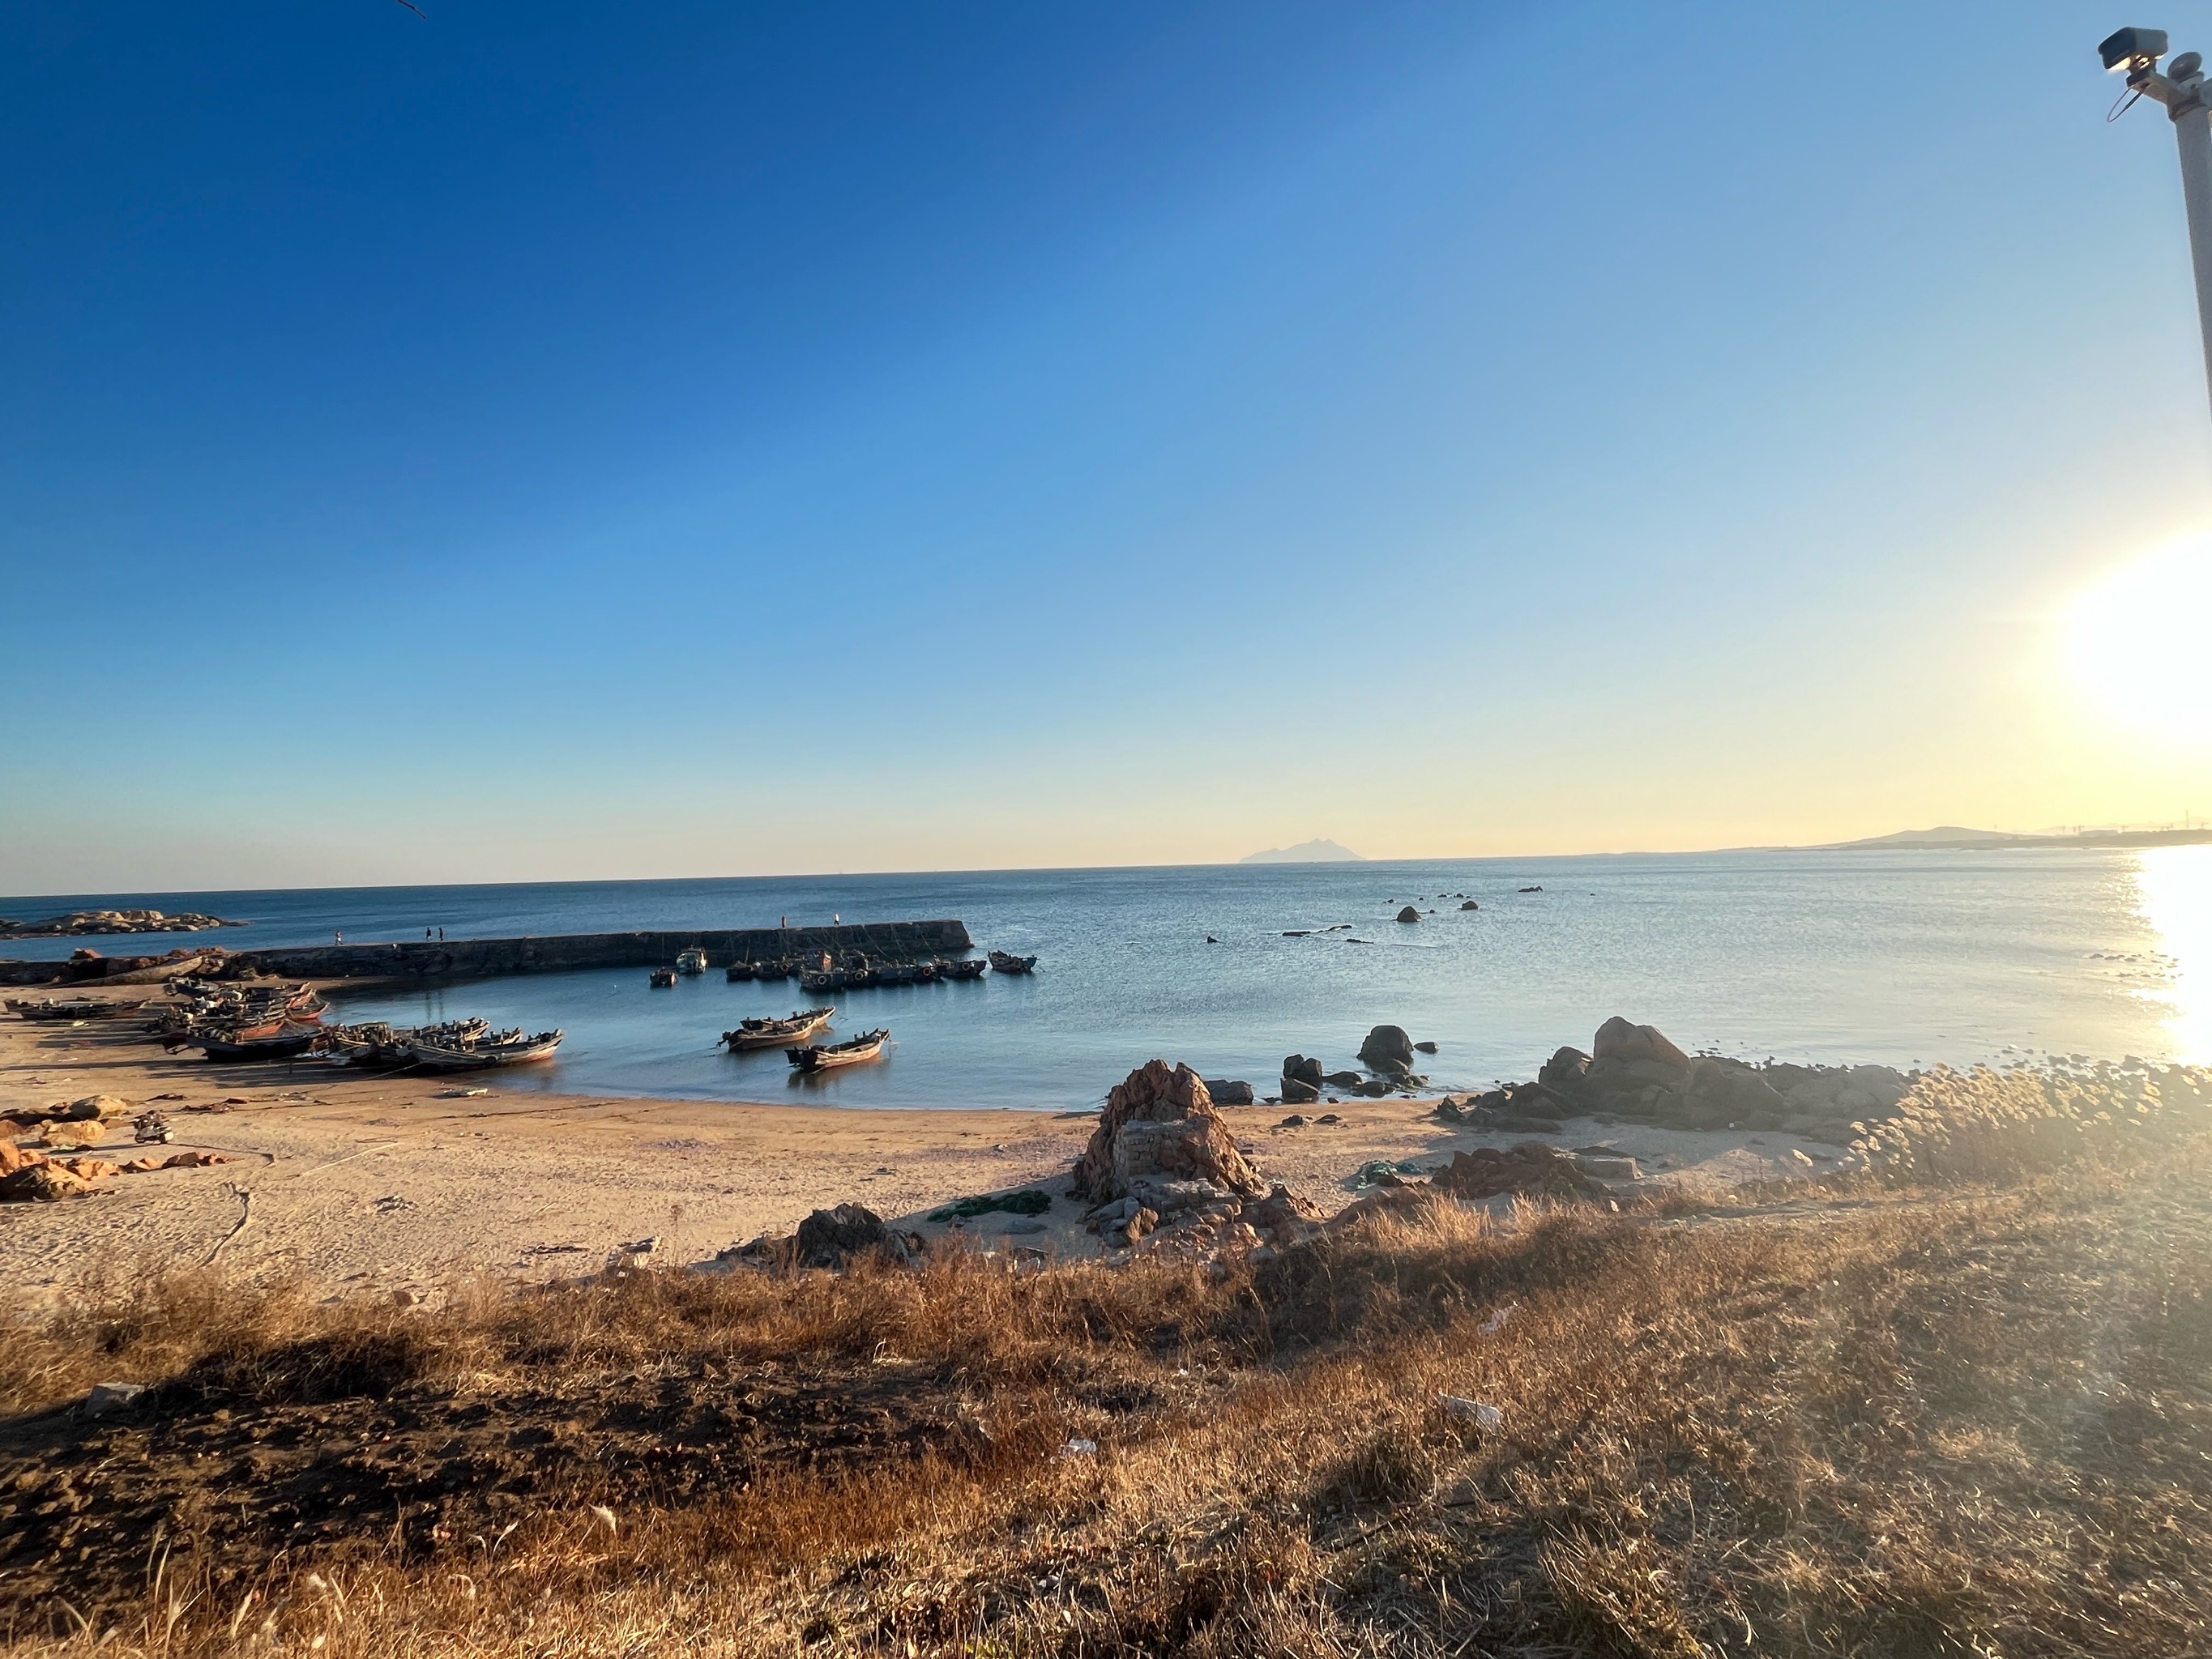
<point x="365" y="1455"/>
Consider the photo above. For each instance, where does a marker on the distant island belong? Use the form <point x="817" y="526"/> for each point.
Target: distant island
<point x="1306" y="852"/>
<point x="76" y="923"/>
<point x="1955" y="835"/>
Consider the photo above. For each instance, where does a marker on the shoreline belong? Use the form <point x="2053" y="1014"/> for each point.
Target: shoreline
<point x="394" y="1183"/>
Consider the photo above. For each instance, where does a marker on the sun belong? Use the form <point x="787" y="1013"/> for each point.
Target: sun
<point x="2140" y="642"/>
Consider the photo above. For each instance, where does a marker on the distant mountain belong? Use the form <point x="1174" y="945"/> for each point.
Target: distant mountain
<point x="1944" y="835"/>
<point x="1306" y="852"/>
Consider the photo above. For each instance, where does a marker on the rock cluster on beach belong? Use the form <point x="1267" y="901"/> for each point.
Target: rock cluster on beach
<point x="1633" y="1071"/>
<point x="112" y="922"/>
<point x="59" y="1166"/>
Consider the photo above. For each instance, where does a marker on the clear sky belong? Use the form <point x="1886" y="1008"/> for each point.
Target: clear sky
<point x="559" y="440"/>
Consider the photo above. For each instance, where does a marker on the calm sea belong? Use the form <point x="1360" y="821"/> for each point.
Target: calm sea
<point x="1907" y="958"/>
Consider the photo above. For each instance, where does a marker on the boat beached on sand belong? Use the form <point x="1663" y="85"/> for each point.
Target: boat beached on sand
<point x="869" y="1045"/>
<point x="68" y="1008"/>
<point x="476" y="1053"/>
<point x="776" y="1033"/>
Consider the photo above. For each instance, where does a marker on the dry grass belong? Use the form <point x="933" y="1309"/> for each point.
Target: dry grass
<point x="1917" y="1419"/>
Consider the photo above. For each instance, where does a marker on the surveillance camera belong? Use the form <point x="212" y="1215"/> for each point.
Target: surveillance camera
<point x="2132" y="49"/>
<point x="2182" y="68"/>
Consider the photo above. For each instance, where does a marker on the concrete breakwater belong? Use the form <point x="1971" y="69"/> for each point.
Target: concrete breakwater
<point x="486" y="958"/>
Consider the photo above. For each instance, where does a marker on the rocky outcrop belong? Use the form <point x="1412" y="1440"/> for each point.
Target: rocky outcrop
<point x="1531" y="1168"/>
<point x="1228" y="1092"/>
<point x="1619" y="1041"/>
<point x="75" y="922"/>
<point x="838" y="1237"/>
<point x="1160" y="1125"/>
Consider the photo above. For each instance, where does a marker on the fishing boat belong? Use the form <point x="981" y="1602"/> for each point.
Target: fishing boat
<point x="737" y="970"/>
<point x="779" y="968"/>
<point x="661" y="978"/>
<point x="1003" y="963"/>
<point x="68" y="1008"/>
<point x="776" y="1033"/>
<point x="961" y="967"/>
<point x="281" y="1041"/>
<point x="869" y="1045"/>
<point x="815" y="981"/>
<point x="477" y="1054"/>
<point x="693" y="960"/>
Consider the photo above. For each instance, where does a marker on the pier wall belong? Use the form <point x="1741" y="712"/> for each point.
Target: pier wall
<point x="486" y="958"/>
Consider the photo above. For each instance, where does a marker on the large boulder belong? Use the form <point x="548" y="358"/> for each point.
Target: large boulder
<point x="834" y="1238"/>
<point x="1160" y="1124"/>
<point x="1228" y="1091"/>
<point x="1739" y="1093"/>
<point x="1388" y="1042"/>
<point x="1409" y="914"/>
<point x="1617" y="1040"/>
<point x="1564" y="1071"/>
<point x="1304" y="1068"/>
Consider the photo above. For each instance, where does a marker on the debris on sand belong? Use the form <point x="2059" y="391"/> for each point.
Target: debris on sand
<point x="1028" y="1200"/>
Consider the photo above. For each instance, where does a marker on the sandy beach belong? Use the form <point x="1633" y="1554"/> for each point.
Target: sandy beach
<point x="407" y="1183"/>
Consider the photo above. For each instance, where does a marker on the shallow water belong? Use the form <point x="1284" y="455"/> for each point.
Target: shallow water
<point x="1902" y="957"/>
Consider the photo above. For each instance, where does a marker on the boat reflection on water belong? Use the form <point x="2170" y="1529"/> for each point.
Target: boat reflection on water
<point x="2174" y="887"/>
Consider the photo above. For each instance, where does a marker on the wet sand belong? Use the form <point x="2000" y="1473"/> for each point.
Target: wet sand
<point x="392" y="1183"/>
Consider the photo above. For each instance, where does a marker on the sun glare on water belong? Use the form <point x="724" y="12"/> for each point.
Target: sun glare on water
<point x="2140" y="641"/>
<point x="2174" y="889"/>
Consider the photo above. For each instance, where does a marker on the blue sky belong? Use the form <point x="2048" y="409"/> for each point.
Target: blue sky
<point x="563" y="441"/>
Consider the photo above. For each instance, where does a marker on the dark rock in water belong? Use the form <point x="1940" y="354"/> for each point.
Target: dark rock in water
<point x="1342" y="1079"/>
<point x="1470" y="905"/>
<point x="1532" y="890"/>
<point x="833" y="1238"/>
<point x="1374" y="1087"/>
<point x="1227" y="1091"/>
<point x="1388" y="1042"/>
<point x="1297" y="1091"/>
<point x="1160" y="1125"/>
<point x="1425" y="1047"/>
<point x="1304" y="1069"/>
<point x="1210" y="939"/>
<point x="1409" y="914"/>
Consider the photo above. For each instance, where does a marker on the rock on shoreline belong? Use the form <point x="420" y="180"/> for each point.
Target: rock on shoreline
<point x="74" y="922"/>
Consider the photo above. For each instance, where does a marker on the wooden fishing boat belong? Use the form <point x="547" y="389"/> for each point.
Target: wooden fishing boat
<point x="68" y="1008"/>
<point x="869" y="1045"/>
<point x="1003" y="963"/>
<point x="961" y="967"/>
<point x="661" y="978"/>
<point x="776" y="1033"/>
<point x="513" y="1047"/>
<point x="737" y="970"/>
<point x="815" y="981"/>
<point x="776" y="969"/>
<point x="693" y="960"/>
<point x="284" y="1042"/>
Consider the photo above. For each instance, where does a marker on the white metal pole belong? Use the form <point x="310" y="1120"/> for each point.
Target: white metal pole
<point x="2192" y="131"/>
